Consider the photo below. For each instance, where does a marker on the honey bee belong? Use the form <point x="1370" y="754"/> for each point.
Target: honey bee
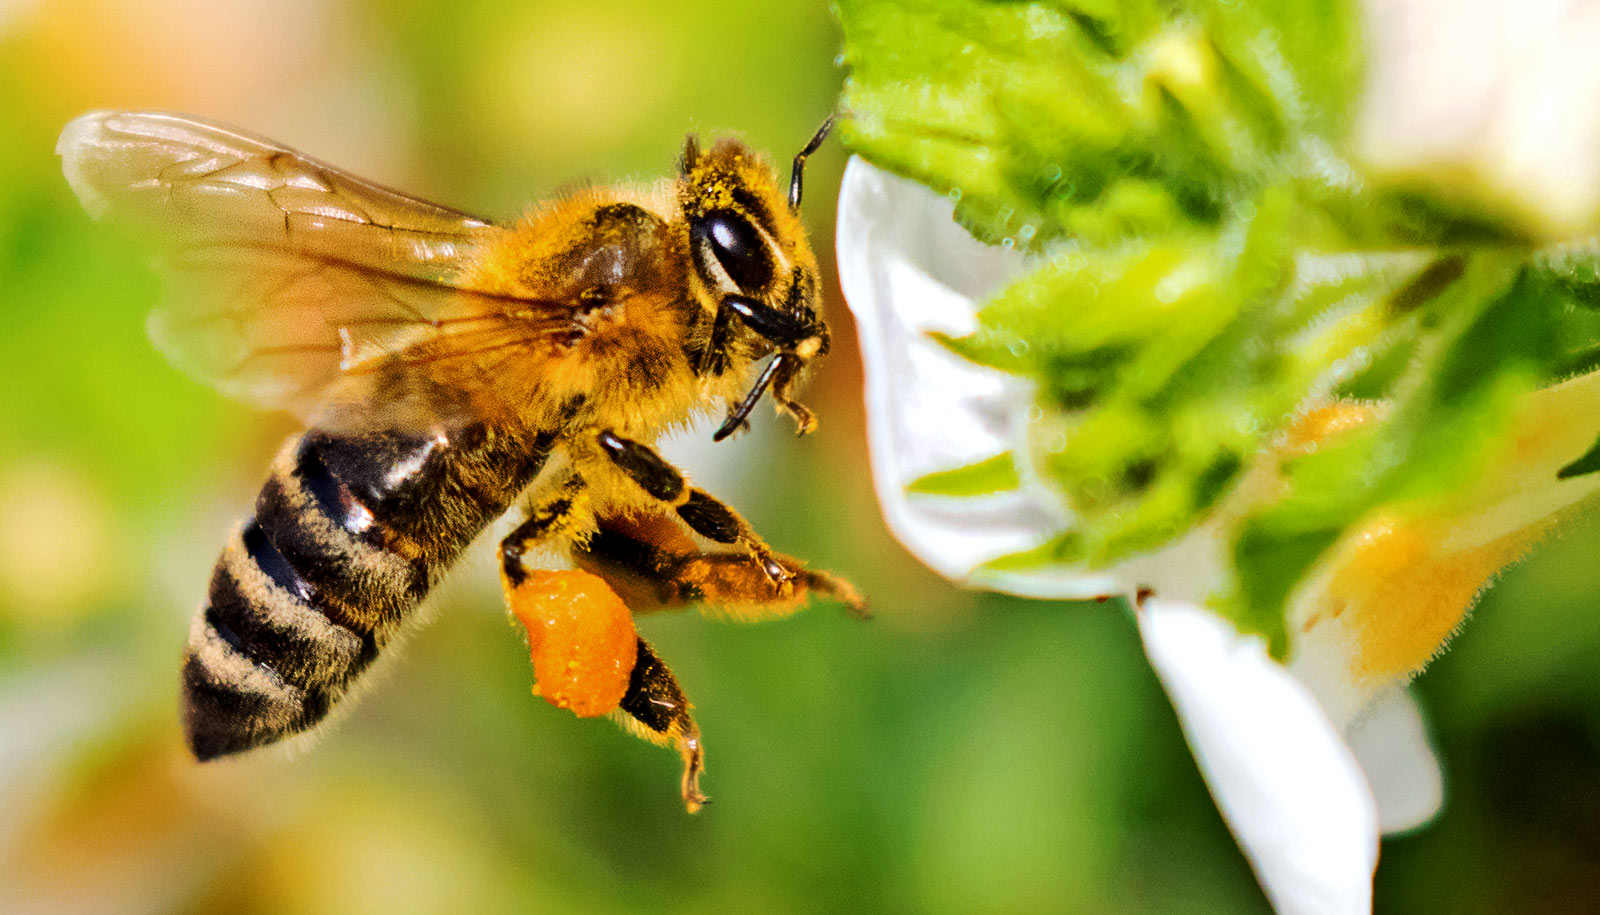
<point x="447" y="369"/>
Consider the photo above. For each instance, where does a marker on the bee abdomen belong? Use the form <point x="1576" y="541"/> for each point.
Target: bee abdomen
<point x="266" y="656"/>
<point x="348" y="535"/>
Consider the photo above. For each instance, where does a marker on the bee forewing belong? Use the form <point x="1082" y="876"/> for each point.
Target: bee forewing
<point x="202" y="182"/>
<point x="291" y="281"/>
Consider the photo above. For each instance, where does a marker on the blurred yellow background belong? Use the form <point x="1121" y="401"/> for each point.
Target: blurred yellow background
<point x="961" y="753"/>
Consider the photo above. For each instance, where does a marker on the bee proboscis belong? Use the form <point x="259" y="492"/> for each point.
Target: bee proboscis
<point x="446" y="369"/>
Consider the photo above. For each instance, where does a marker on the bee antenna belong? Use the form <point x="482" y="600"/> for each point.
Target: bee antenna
<point x="737" y="417"/>
<point x="797" y="173"/>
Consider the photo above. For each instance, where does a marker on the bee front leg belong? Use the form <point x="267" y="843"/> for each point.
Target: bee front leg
<point x="704" y="514"/>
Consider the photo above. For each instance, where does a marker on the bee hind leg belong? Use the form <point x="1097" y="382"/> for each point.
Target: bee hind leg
<point x="557" y="514"/>
<point x="587" y="656"/>
<point x="580" y="633"/>
<point x="655" y="709"/>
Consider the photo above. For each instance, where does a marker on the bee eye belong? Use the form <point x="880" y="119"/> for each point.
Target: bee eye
<point x="739" y="248"/>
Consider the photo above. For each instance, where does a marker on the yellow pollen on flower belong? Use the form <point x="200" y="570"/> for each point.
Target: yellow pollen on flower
<point x="1392" y="591"/>
<point x="1400" y="596"/>
<point x="1329" y="421"/>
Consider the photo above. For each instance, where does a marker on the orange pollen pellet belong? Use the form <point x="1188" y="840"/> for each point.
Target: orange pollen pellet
<point x="580" y="637"/>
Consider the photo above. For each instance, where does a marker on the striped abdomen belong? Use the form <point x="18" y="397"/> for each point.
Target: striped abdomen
<point x="349" y="533"/>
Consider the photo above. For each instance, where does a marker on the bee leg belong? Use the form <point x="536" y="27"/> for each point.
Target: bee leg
<point x="653" y="564"/>
<point x="783" y="394"/>
<point x="704" y="514"/>
<point x="735" y="586"/>
<point x="655" y="709"/>
<point x="580" y="633"/>
<point x="587" y="656"/>
<point x="555" y="515"/>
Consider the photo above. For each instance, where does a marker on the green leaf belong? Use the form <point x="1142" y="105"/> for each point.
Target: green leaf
<point x="1443" y="422"/>
<point x="1097" y="120"/>
<point x="992" y="475"/>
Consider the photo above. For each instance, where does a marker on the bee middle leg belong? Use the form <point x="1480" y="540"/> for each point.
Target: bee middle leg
<point x="650" y="561"/>
<point x="587" y="656"/>
<point x="701" y="511"/>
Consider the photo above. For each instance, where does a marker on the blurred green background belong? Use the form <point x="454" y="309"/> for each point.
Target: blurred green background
<point x="961" y="753"/>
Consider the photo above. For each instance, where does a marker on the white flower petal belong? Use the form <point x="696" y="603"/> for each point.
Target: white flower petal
<point x="1322" y="660"/>
<point x="1391" y="742"/>
<point x="909" y="270"/>
<point x="1286" y="783"/>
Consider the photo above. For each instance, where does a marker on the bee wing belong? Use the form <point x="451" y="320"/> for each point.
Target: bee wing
<point x="293" y="284"/>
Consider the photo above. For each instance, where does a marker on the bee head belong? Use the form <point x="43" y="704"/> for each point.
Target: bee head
<point x="751" y="255"/>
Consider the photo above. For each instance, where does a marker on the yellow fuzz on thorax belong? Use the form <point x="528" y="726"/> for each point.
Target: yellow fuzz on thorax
<point x="627" y="368"/>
